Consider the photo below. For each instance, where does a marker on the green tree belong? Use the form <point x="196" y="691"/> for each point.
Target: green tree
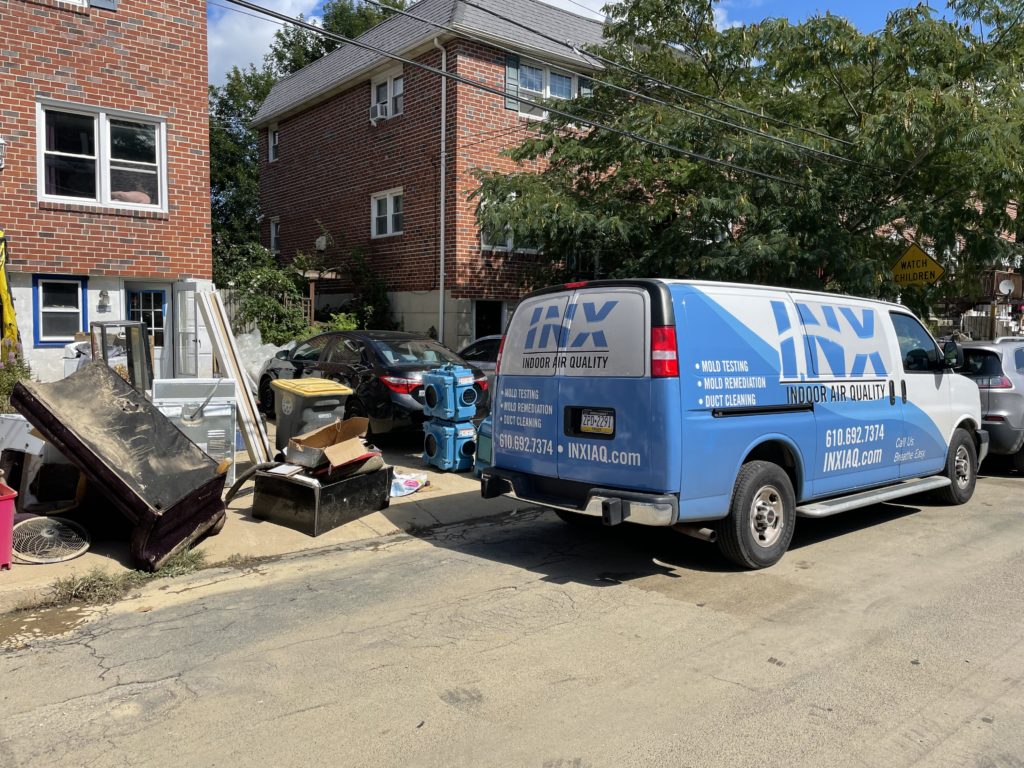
<point x="921" y="122"/>
<point x="234" y="162"/>
<point x="295" y="47"/>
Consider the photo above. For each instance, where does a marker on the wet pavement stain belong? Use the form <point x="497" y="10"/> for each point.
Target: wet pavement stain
<point x="18" y="630"/>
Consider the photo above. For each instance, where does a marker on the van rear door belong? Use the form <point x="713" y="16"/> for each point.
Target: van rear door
<point x="575" y="379"/>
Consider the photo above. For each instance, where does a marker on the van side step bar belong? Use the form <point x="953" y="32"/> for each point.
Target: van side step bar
<point x="876" y="496"/>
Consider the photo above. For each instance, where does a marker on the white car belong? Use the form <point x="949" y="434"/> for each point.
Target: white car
<point x="483" y="353"/>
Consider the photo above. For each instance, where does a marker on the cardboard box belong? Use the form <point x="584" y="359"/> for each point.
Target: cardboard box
<point x="336" y="444"/>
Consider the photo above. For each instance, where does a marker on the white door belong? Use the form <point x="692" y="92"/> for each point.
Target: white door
<point x="186" y="331"/>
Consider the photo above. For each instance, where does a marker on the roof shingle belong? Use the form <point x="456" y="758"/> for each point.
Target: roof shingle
<point x="401" y="33"/>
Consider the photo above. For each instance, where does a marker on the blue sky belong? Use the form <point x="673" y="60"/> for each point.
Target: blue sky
<point x="236" y="38"/>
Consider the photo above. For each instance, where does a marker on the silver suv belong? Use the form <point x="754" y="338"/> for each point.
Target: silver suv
<point x="997" y="367"/>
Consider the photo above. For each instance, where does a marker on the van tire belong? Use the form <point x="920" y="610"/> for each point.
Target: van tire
<point x="760" y="484"/>
<point x="961" y="468"/>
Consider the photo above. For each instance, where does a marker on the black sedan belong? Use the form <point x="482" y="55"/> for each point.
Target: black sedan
<point x="290" y="364"/>
<point x="385" y="369"/>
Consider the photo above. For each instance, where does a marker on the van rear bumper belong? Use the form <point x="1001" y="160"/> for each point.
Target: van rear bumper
<point x="612" y="505"/>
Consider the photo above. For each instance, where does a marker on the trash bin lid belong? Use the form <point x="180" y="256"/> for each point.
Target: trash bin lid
<point x="311" y="387"/>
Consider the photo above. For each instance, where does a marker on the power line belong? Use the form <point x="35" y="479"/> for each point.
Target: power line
<point x="577" y="119"/>
<point x="651" y="79"/>
<point x="615" y="87"/>
<point x="585" y="8"/>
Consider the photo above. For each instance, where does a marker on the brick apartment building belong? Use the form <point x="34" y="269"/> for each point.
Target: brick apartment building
<point x="353" y="144"/>
<point x="104" y="193"/>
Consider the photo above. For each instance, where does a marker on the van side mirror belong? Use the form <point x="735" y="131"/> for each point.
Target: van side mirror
<point x="283" y="354"/>
<point x="952" y="355"/>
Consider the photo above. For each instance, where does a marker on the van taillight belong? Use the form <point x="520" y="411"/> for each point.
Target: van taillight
<point x="497" y="363"/>
<point x="993" y="382"/>
<point x="664" y="352"/>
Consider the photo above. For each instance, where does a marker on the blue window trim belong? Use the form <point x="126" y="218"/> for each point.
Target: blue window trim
<point x="83" y="294"/>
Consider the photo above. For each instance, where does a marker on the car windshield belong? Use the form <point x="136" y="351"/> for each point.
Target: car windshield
<point x="980" y="362"/>
<point x="413" y="351"/>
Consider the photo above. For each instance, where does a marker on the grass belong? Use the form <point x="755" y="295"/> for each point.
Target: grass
<point x="100" y="587"/>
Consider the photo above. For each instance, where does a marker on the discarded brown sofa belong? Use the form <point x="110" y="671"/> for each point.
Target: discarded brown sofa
<point x="155" y="476"/>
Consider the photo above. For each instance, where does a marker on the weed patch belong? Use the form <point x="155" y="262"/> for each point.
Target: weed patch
<point x="100" y="587"/>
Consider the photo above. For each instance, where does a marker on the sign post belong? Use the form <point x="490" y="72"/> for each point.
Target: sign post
<point x="915" y="267"/>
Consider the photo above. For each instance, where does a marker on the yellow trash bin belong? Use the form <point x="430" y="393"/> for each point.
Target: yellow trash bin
<point x="302" y="405"/>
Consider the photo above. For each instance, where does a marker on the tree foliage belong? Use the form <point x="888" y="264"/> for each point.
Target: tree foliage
<point x="234" y="146"/>
<point x="234" y="159"/>
<point x="295" y="47"/>
<point x="924" y="117"/>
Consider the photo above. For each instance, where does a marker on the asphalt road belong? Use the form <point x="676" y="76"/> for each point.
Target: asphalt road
<point x="886" y="637"/>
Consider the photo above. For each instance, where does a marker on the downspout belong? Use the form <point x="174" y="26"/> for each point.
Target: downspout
<point x="444" y="175"/>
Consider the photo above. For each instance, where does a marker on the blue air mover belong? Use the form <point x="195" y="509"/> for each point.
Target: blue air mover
<point x="449" y="446"/>
<point x="448" y="393"/>
<point x="484" y="446"/>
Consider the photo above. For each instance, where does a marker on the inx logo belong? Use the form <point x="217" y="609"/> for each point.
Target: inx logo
<point x="548" y="330"/>
<point x="829" y="348"/>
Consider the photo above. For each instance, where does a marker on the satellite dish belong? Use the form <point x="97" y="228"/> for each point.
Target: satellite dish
<point x="1006" y="287"/>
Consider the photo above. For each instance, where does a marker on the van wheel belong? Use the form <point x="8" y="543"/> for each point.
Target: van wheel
<point x="762" y="516"/>
<point x="961" y="468"/>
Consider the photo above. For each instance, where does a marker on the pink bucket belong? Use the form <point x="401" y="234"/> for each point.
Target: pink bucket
<point x="7" y="497"/>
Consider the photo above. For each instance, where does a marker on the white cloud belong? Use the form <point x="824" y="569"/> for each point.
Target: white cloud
<point x="722" y="20"/>
<point x="238" y="39"/>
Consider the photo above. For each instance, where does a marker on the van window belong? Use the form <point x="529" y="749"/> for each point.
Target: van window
<point x="589" y="333"/>
<point x="918" y="349"/>
<point x="981" y="362"/>
<point x="1018" y="359"/>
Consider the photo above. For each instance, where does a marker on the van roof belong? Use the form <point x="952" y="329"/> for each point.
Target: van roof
<point x="648" y="282"/>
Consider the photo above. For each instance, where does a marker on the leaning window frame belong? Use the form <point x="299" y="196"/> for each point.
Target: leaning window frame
<point x="38" y="339"/>
<point x="102" y="118"/>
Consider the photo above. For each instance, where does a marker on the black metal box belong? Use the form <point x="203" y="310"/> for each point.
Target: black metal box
<point x="307" y="505"/>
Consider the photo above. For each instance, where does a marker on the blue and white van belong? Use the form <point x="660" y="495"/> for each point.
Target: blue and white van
<point x="726" y="410"/>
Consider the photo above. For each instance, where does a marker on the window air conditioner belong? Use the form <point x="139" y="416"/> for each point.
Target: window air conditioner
<point x="378" y="112"/>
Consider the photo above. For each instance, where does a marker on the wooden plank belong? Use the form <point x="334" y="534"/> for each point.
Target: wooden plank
<point x="225" y="351"/>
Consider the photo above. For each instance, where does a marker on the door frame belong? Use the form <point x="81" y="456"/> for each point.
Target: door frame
<point x="129" y="286"/>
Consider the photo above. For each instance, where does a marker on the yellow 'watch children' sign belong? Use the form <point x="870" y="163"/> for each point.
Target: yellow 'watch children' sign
<point x="915" y="267"/>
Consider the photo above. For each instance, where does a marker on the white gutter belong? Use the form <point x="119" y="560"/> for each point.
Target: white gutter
<point x="444" y="174"/>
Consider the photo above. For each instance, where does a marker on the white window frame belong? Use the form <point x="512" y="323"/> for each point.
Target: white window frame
<point x="275" y="235"/>
<point x="102" y="140"/>
<point x="525" y="110"/>
<point x="389" y="79"/>
<point x="273" y="140"/>
<point x="509" y="245"/>
<point x="390" y="196"/>
<point x="80" y="287"/>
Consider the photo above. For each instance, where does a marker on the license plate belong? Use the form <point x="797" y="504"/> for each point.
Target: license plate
<point x="597" y="422"/>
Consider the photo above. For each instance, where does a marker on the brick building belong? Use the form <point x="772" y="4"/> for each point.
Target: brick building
<point x="353" y="144"/>
<point x="104" y="193"/>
